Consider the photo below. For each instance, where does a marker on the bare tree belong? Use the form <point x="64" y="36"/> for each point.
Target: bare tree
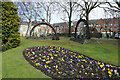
<point x="26" y="13"/>
<point x="112" y="8"/>
<point x="48" y="10"/>
<point x="68" y="9"/>
<point x="87" y="6"/>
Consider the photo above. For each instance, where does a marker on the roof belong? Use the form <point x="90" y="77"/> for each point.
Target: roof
<point x="107" y="20"/>
<point x="58" y="24"/>
<point x="93" y="21"/>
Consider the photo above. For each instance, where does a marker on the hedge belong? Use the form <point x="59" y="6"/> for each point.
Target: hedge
<point x="10" y="26"/>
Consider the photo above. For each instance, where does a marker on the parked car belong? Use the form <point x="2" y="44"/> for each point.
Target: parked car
<point x="117" y="35"/>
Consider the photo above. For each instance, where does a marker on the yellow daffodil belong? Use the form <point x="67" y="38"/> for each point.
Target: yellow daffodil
<point x="109" y="72"/>
<point x="39" y="57"/>
<point x="55" y="55"/>
<point x="56" y="69"/>
<point x="43" y="56"/>
<point x="28" y="52"/>
<point x="108" y="68"/>
<point x="101" y="66"/>
<point x="62" y="59"/>
<point x="27" y="55"/>
<point x="71" y="61"/>
<point x="57" y="61"/>
<point x="51" y="58"/>
<point x="47" y="62"/>
<point x="45" y="66"/>
<point x="27" y="49"/>
<point x="65" y="55"/>
<point x="85" y="73"/>
<point x="49" y="67"/>
<point x="32" y="61"/>
<point x="37" y="64"/>
<point x="63" y="52"/>
<point x="73" y="55"/>
<point x="32" y="57"/>
<point x="47" y="59"/>
<point x="59" y="72"/>
<point x="35" y="61"/>
<point x="82" y="66"/>
<point x="80" y="56"/>
<point x="109" y="75"/>
<point x="84" y="60"/>
<point x="98" y="63"/>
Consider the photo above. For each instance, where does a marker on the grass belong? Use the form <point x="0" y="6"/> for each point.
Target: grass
<point x="15" y="66"/>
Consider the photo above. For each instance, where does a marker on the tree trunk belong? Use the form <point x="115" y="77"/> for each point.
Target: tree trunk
<point x="70" y="19"/>
<point x="88" y="29"/>
<point x="28" y="28"/>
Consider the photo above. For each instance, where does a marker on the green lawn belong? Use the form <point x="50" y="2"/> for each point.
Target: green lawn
<point x="15" y="66"/>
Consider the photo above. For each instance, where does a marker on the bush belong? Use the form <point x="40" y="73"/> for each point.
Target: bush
<point x="96" y="35"/>
<point x="65" y="34"/>
<point x="10" y="26"/>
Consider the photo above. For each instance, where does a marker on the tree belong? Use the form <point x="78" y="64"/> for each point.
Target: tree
<point x="48" y="10"/>
<point x="35" y="11"/>
<point x="26" y="13"/>
<point x="87" y="6"/>
<point x="10" y="26"/>
<point x="68" y="9"/>
<point x="112" y="8"/>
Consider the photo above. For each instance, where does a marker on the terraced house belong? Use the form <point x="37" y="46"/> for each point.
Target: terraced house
<point x="109" y="25"/>
<point x="39" y="30"/>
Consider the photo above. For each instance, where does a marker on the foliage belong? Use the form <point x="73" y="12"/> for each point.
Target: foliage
<point x="60" y="62"/>
<point x="15" y="66"/>
<point x="10" y="26"/>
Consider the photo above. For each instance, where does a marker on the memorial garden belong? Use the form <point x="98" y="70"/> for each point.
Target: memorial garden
<point x="52" y="56"/>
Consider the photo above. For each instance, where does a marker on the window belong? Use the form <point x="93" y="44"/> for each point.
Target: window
<point x="104" y="25"/>
<point x="110" y="24"/>
<point x="118" y="28"/>
<point x="118" y="24"/>
<point x="114" y="24"/>
<point x="99" y="24"/>
<point x="63" y="29"/>
<point x="36" y="32"/>
<point x="115" y="28"/>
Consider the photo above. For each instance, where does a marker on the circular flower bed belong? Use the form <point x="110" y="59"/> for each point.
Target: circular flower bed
<point x="58" y="62"/>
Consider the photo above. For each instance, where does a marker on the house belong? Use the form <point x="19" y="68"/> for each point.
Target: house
<point x="61" y="27"/>
<point x="39" y="30"/>
<point x="108" y="25"/>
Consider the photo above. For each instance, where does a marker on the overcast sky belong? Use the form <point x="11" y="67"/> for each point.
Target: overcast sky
<point x="96" y="13"/>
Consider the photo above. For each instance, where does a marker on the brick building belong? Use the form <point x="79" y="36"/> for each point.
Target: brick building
<point x="109" y="25"/>
<point x="61" y="27"/>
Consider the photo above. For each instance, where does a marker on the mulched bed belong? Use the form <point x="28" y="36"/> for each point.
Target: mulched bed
<point x="58" y="62"/>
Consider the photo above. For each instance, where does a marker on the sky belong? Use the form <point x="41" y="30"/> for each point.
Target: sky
<point x="96" y="13"/>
